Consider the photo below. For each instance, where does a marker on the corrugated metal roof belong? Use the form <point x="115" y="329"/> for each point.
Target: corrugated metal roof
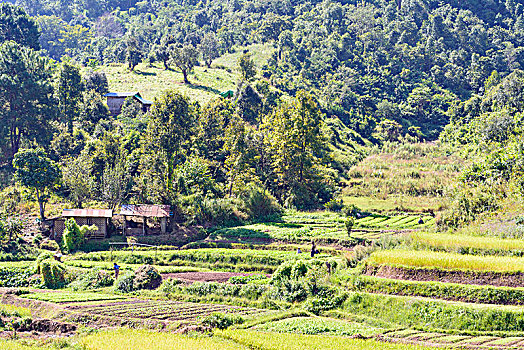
<point x="88" y="213"/>
<point x="121" y="94"/>
<point x="158" y="211"/>
<point x="143" y="100"/>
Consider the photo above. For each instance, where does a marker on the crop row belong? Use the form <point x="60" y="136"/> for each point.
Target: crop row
<point x="439" y="290"/>
<point x="439" y="339"/>
<point x="395" y="222"/>
<point x="165" y="310"/>
<point x="468" y="244"/>
<point x="229" y="256"/>
<point x="430" y="314"/>
<point x="70" y="297"/>
<point x="415" y="258"/>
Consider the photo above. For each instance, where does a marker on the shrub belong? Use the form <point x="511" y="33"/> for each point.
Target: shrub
<point x="94" y="279"/>
<point x="317" y="305"/>
<point x="335" y="205"/>
<point x="216" y="211"/>
<point x="170" y="286"/>
<point x="221" y="321"/>
<point x="124" y="283"/>
<point x="37" y="239"/>
<point x="252" y="291"/>
<point x="147" y="277"/>
<point x="52" y="271"/>
<point x="351" y="210"/>
<point x="74" y="235"/>
<point x="247" y="279"/>
<point x="49" y="244"/>
<point x="283" y="272"/>
<point x="260" y="204"/>
<point x="349" y="222"/>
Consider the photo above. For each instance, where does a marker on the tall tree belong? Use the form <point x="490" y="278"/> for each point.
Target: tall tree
<point x="209" y="48"/>
<point x="77" y="177"/>
<point x="33" y="169"/>
<point x="96" y="81"/>
<point x="295" y="137"/>
<point x="247" y="67"/>
<point x="185" y="58"/>
<point x="163" y="52"/>
<point x="69" y="88"/>
<point x="17" y="26"/>
<point x="167" y="137"/>
<point x="133" y="53"/>
<point x="26" y="97"/>
<point x="92" y="109"/>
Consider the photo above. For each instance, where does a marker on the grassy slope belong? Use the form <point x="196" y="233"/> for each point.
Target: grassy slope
<point x="206" y="83"/>
<point x="403" y="177"/>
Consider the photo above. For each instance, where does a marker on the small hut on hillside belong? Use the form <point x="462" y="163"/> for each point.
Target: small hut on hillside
<point x="98" y="217"/>
<point x="144" y="212"/>
<point x="115" y="100"/>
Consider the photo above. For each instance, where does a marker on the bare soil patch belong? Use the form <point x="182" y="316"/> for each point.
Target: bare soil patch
<point x="498" y="279"/>
<point x="192" y="277"/>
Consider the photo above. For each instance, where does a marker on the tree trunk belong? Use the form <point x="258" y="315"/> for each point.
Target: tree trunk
<point x="41" y="205"/>
<point x="165" y="65"/>
<point x="208" y="63"/>
<point x="186" y="81"/>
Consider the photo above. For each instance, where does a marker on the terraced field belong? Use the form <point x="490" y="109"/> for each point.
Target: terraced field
<point x="323" y="226"/>
<point x="163" y="310"/>
<point x="456" y="341"/>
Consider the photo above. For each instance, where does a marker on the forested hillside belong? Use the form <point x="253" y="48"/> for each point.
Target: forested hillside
<point x="403" y="60"/>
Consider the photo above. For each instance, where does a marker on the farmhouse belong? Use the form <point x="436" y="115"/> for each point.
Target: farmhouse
<point x="144" y="212"/>
<point x="115" y="100"/>
<point x="98" y="217"/>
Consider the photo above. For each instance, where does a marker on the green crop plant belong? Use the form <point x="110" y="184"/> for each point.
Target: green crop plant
<point x="448" y="291"/>
<point x="429" y="314"/>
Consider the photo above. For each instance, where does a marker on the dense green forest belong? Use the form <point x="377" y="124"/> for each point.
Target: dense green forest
<point x="342" y="75"/>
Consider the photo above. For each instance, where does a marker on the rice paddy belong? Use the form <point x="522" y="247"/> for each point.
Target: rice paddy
<point x="454" y="242"/>
<point x="416" y="258"/>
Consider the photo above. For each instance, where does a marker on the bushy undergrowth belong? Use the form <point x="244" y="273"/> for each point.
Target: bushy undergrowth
<point x="15" y="276"/>
<point x="249" y="291"/>
<point x="248" y="279"/>
<point x="124" y="282"/>
<point x="221" y="321"/>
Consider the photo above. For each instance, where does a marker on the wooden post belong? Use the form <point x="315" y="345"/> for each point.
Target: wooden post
<point x="163" y="225"/>
<point x="144" y="226"/>
<point x="125" y="225"/>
